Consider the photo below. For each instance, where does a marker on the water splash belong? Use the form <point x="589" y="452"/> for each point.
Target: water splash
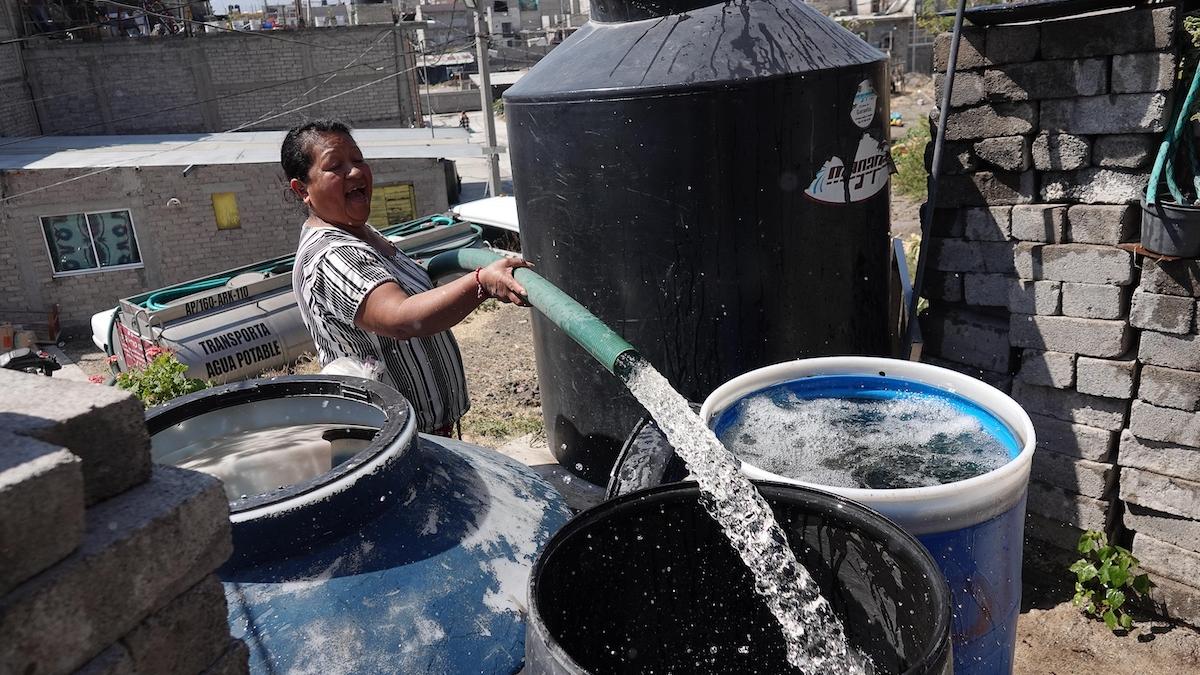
<point x="815" y="638"/>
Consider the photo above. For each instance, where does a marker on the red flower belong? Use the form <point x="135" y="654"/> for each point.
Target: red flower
<point x="97" y="379"/>
<point x="153" y="352"/>
<point x="112" y="359"/>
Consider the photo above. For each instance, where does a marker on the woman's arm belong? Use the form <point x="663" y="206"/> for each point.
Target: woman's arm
<point x="388" y="310"/>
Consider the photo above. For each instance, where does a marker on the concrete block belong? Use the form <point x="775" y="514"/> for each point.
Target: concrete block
<point x="41" y="507"/>
<point x="1167" y="559"/>
<point x="971" y="50"/>
<point x="1047" y="369"/>
<point x="1061" y="152"/>
<point x="945" y="286"/>
<point x="1081" y="263"/>
<point x="1011" y="44"/>
<point x="1145" y="71"/>
<point x="1167" y="459"/>
<point x="1007" y="153"/>
<point x="1080" y="511"/>
<point x="1165" y="424"/>
<point x="1124" y="151"/>
<point x="1100" y="224"/>
<point x="1035" y="297"/>
<point x="997" y="257"/>
<point x="1094" y="186"/>
<point x="1077" y="476"/>
<point x="1168" y="527"/>
<point x="1001" y="381"/>
<point x="185" y="636"/>
<point x="955" y="255"/>
<point x="1113" y="114"/>
<point x="986" y="290"/>
<point x="970" y="338"/>
<point x="1071" y="406"/>
<point x="104" y="426"/>
<point x="1074" y="440"/>
<point x="1175" y="600"/>
<point x="958" y="157"/>
<point x="948" y="223"/>
<point x="1161" y="493"/>
<point x="987" y="224"/>
<point x="1111" y="378"/>
<point x="1090" y="337"/>
<point x="1135" y="30"/>
<point x="1039" y="222"/>
<point x="235" y="660"/>
<point x="1162" y="313"/>
<point x="1051" y="531"/>
<point x="987" y="188"/>
<point x="1170" y="388"/>
<point x="968" y="89"/>
<point x="167" y="534"/>
<point x="1177" y="277"/>
<point x="1047" y="79"/>
<point x="1094" y="301"/>
<point x="112" y="661"/>
<point x="1170" y="351"/>
<point x="990" y="121"/>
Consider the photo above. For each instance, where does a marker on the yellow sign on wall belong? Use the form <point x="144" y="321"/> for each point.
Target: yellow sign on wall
<point x="391" y="204"/>
<point x="226" y="210"/>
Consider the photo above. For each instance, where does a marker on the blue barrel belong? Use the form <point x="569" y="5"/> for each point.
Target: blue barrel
<point x="380" y="550"/>
<point x="973" y="527"/>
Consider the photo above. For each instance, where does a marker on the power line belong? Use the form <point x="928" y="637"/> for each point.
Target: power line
<point x="186" y="145"/>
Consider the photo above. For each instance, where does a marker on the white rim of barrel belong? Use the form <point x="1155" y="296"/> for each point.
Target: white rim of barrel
<point x="921" y="510"/>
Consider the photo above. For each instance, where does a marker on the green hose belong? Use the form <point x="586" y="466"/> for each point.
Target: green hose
<point x="573" y="318"/>
<point x="1165" y="160"/>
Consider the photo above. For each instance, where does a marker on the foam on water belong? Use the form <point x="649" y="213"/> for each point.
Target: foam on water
<point x="816" y="641"/>
<point x="864" y="436"/>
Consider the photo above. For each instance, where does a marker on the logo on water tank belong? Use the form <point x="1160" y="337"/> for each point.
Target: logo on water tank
<point x="863" y="109"/>
<point x="868" y="175"/>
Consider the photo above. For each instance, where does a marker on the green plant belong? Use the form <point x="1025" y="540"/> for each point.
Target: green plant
<point x="1106" y="580"/>
<point x="498" y="107"/>
<point x="908" y="154"/>
<point x="161" y="380"/>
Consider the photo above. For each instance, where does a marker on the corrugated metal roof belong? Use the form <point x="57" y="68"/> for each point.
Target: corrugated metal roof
<point x="258" y="147"/>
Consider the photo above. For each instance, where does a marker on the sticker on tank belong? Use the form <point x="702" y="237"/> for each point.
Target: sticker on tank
<point x="862" y="112"/>
<point x="868" y="175"/>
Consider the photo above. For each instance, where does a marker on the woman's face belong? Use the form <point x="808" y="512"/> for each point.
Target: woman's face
<point x="339" y="186"/>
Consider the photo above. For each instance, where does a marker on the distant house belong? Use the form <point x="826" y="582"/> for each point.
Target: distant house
<point x="91" y="219"/>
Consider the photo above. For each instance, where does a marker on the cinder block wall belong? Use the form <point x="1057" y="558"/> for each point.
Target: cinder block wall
<point x="1052" y="131"/>
<point x="106" y="562"/>
<point x="176" y="242"/>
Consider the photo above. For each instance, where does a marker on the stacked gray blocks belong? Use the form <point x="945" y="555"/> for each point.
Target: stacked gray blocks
<point x="1050" y="145"/>
<point x="106" y="563"/>
<point x="1160" y="451"/>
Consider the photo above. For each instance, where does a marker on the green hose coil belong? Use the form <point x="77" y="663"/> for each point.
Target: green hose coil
<point x="573" y="318"/>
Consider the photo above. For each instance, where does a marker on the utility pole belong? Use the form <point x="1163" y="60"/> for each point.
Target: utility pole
<point x="485" y="98"/>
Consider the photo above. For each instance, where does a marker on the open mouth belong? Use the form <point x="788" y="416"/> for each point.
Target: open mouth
<point x="357" y="194"/>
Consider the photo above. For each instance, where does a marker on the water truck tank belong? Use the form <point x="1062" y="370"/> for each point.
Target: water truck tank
<point x="712" y="182"/>
<point x="360" y="546"/>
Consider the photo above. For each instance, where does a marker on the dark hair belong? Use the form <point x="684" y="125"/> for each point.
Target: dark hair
<point x="294" y="155"/>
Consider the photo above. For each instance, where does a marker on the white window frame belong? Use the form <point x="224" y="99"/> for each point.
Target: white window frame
<point x="95" y="256"/>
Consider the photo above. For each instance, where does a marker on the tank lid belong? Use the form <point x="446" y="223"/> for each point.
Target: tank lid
<point x="621" y="11"/>
<point x="694" y="47"/>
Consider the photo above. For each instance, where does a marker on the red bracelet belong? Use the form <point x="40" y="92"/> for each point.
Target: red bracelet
<point x="480" y="293"/>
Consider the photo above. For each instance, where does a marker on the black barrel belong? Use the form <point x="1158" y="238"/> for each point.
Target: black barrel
<point x="680" y="169"/>
<point x="646" y="583"/>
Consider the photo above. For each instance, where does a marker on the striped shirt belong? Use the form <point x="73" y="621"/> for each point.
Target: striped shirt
<point x="333" y="273"/>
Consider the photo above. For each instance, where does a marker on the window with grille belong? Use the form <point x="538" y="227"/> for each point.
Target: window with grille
<point x="90" y="242"/>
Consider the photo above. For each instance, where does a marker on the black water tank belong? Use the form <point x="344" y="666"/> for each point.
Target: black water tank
<point x="680" y="170"/>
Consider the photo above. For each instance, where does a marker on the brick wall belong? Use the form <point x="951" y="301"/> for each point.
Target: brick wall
<point x="17" y="117"/>
<point x="1051" y="134"/>
<point x="217" y="82"/>
<point x="177" y="243"/>
<point x="106" y="563"/>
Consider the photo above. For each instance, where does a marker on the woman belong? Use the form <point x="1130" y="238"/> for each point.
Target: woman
<point x="364" y="299"/>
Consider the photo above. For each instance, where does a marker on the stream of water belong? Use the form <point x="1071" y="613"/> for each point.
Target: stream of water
<point x="815" y="638"/>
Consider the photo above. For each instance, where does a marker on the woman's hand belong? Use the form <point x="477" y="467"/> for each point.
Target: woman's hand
<point x="498" y="281"/>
